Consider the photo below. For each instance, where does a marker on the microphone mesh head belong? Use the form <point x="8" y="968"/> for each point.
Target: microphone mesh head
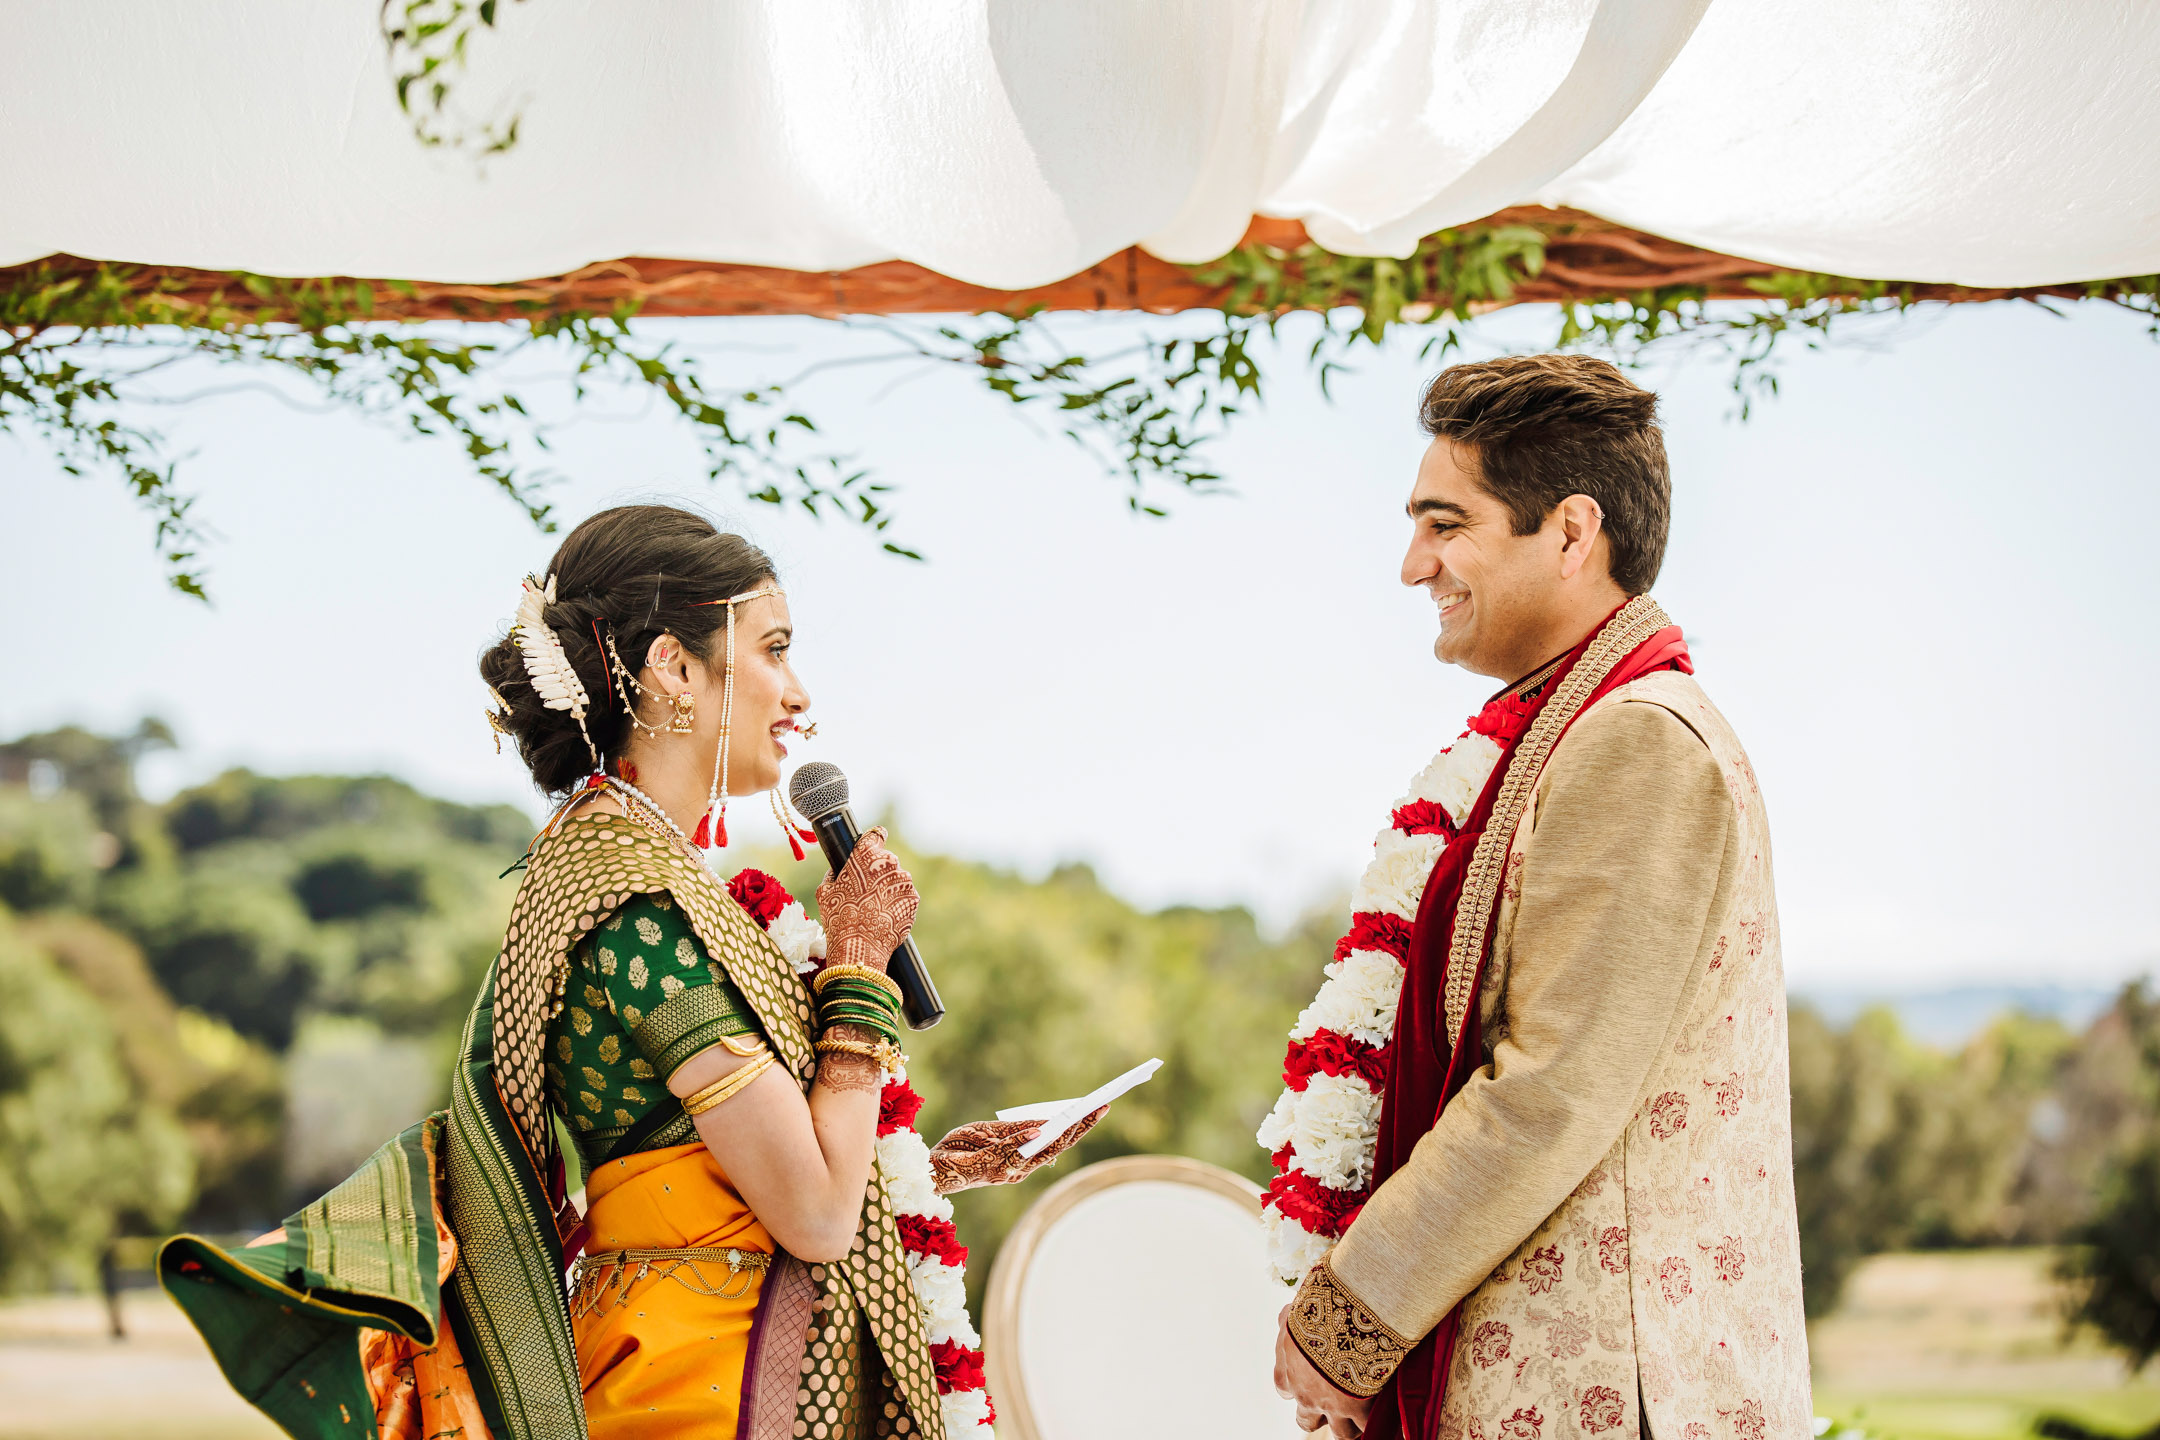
<point x="818" y="789"/>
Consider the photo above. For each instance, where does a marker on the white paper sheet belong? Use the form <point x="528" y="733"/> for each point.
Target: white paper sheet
<point x="1058" y="1116"/>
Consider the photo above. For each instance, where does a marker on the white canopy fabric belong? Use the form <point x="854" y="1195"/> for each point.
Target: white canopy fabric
<point x="1012" y="142"/>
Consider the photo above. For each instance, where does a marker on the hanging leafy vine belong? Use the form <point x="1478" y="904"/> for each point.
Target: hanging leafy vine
<point x="79" y="350"/>
<point x="428" y="43"/>
<point x="79" y="347"/>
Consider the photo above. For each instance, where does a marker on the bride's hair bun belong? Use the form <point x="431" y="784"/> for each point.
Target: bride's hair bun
<point x="635" y="571"/>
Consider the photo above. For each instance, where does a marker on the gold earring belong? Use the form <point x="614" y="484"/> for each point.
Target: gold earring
<point x="685" y="719"/>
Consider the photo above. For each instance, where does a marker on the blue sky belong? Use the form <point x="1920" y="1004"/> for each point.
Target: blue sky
<point x="1919" y="583"/>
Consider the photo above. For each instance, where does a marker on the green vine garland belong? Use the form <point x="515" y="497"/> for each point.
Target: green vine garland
<point x="77" y="351"/>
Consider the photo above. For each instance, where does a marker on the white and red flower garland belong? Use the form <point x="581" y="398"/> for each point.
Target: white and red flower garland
<point x="1325" y="1129"/>
<point x="936" y="1259"/>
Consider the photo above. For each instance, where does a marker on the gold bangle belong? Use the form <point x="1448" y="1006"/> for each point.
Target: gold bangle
<point x="859" y="972"/>
<point x="887" y="1054"/>
<point x="727" y="1087"/>
<point x="744" y="1044"/>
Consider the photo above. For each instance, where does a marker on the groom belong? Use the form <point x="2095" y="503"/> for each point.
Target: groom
<point x="1582" y="1216"/>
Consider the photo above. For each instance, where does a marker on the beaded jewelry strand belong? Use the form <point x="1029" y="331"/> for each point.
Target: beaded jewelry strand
<point x="712" y="826"/>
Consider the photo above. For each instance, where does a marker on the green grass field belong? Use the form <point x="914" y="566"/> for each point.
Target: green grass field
<point x="1967" y="1345"/>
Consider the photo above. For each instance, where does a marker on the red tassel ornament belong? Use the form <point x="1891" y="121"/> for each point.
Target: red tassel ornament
<point x="795" y="845"/>
<point x="703" y="838"/>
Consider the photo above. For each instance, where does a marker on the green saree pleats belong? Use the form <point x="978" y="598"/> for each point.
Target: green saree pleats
<point x="283" y="1319"/>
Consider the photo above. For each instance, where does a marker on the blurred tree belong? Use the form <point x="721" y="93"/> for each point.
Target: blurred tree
<point x="100" y="768"/>
<point x="86" y="1155"/>
<point x="1861" y="1145"/>
<point x="2113" y="1263"/>
<point x="49" y="849"/>
<point x="2096" y="1110"/>
<point x="227" y="1093"/>
<point x="241" y="805"/>
<point x="346" y="895"/>
<point x="224" y="939"/>
<point x="1987" y="1107"/>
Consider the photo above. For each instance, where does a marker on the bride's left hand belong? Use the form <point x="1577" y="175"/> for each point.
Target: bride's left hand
<point x="988" y="1152"/>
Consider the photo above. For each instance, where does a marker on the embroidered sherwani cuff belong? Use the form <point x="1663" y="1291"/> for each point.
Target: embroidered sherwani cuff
<point x="1354" y="1348"/>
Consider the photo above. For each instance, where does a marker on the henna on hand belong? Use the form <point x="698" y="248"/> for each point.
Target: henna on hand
<point x="988" y="1152"/>
<point x="868" y="906"/>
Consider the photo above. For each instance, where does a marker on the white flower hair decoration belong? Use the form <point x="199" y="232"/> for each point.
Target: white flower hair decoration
<point x="553" y="678"/>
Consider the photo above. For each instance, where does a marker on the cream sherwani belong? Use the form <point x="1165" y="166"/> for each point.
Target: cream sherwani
<point x="1610" y="1196"/>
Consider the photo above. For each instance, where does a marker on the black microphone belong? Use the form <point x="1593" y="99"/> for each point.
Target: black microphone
<point x="820" y="791"/>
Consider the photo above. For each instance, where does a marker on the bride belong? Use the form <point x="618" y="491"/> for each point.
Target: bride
<point x="737" y="1270"/>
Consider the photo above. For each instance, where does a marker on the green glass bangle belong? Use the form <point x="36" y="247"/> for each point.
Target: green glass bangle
<point x="857" y="1015"/>
<point x="868" y="1020"/>
<point x="836" y="994"/>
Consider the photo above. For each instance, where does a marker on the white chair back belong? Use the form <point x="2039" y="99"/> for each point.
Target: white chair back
<point x="1133" y="1301"/>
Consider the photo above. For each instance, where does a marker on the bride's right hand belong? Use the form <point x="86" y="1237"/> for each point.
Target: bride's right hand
<point x="868" y="907"/>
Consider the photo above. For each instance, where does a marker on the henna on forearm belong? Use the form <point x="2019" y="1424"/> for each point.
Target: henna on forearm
<point x="841" y="1072"/>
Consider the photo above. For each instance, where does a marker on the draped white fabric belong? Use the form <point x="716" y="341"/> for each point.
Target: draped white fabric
<point x="1012" y="142"/>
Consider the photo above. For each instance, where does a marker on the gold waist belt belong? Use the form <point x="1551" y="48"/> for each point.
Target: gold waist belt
<point x="603" y="1280"/>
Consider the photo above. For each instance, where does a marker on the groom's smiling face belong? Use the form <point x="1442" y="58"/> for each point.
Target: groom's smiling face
<point x="1492" y="586"/>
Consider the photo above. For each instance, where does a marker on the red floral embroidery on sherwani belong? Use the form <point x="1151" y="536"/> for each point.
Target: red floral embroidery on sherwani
<point x="1428" y="1067"/>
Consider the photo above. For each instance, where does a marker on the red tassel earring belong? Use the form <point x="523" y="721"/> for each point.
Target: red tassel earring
<point x="787" y="827"/>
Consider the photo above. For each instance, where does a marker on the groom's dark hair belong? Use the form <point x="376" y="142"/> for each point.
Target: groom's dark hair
<point x="1543" y="427"/>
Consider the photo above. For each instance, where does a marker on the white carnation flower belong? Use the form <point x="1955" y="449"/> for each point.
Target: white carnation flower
<point x="1291" y="1248"/>
<point x="1336" y="1122"/>
<point x="801" y="939"/>
<point x="941" y="1290"/>
<point x="1457" y="775"/>
<point x="1274" y="1131"/>
<point x="964" y="1409"/>
<point x="905" y="1161"/>
<point x="1395" y="880"/>
<point x="1358" y="999"/>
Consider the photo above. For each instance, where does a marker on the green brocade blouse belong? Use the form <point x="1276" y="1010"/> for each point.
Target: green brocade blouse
<point x="642" y="998"/>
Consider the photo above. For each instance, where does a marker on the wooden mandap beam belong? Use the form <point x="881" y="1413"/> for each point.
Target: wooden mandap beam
<point x="1585" y="259"/>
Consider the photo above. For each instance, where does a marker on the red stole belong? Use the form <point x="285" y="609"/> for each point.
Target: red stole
<point x="1425" y="1072"/>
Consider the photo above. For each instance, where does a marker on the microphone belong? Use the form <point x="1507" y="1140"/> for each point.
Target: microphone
<point x="820" y="792"/>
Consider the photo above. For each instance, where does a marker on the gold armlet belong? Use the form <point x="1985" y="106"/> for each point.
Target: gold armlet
<point x="727" y="1087"/>
<point x="744" y="1044"/>
<point x="887" y="1054"/>
<point x="830" y="973"/>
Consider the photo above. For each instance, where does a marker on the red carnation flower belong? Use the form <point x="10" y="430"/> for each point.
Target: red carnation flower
<point x="958" y="1368"/>
<point x="928" y="1235"/>
<point x="1281" y="1158"/>
<point x="1503" y="721"/>
<point x="1328" y="1053"/>
<point x="1317" y="1207"/>
<point x="1387" y="934"/>
<point x="897" y="1107"/>
<point x="760" y="894"/>
<point x="1422" y="817"/>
